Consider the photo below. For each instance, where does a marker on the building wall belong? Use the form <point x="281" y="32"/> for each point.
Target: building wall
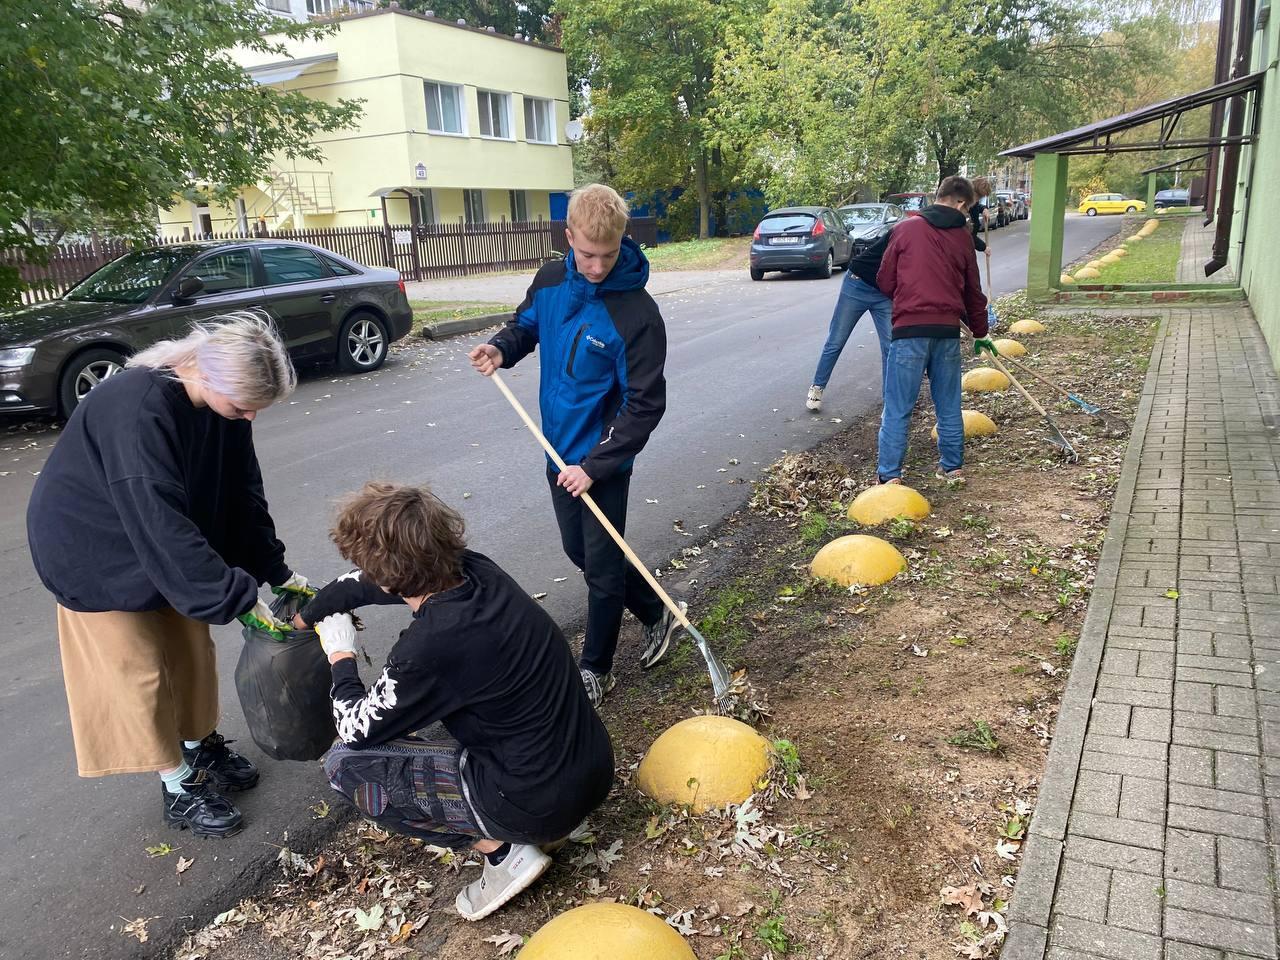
<point x="1258" y="224"/>
<point x="384" y="59"/>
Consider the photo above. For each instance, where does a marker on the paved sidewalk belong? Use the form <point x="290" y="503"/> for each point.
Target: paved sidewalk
<point x="1197" y="249"/>
<point x="1153" y="837"/>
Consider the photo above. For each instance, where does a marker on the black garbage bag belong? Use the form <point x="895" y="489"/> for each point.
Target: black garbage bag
<point x="284" y="689"/>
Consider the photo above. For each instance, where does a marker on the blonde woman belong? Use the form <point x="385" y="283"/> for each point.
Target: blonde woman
<point x="148" y="523"/>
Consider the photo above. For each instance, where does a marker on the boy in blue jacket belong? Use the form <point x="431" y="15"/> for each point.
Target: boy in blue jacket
<point x="603" y="349"/>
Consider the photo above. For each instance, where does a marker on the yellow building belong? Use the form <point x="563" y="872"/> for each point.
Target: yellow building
<point x="462" y="123"/>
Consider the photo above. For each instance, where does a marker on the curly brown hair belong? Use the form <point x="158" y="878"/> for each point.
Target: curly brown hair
<point x="405" y="539"/>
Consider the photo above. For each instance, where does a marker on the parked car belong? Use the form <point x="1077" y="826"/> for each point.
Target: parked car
<point x="1173" y="198"/>
<point x="1016" y="206"/>
<point x="1097" y="203"/>
<point x="800" y="238"/>
<point x="911" y="203"/>
<point x="326" y="307"/>
<point x="868" y="222"/>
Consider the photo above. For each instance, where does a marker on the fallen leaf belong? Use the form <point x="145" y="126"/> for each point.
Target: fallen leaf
<point x="160" y="850"/>
<point x="506" y="941"/>
<point x="407" y="930"/>
<point x="539" y="596"/>
<point x="609" y="856"/>
<point x="967" y="897"/>
<point x="184" y="864"/>
<point x="1008" y="849"/>
<point x="802" y="788"/>
<point x="137" y="928"/>
<point x="1172" y="594"/>
<point x="371" y="920"/>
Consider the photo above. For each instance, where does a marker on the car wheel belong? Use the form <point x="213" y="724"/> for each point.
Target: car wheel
<point x="362" y="343"/>
<point x="1131" y="210"/>
<point x="1091" y="212"/>
<point x="84" y="372"/>
<point x="824" y="271"/>
<point x="757" y="274"/>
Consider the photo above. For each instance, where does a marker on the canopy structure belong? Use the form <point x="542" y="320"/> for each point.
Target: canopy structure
<point x="282" y="71"/>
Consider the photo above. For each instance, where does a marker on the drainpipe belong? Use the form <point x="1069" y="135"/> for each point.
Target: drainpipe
<point x="1221" y="68"/>
<point x="1231" y="152"/>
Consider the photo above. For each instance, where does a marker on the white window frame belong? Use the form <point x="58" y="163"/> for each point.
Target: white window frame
<point x="460" y="102"/>
<point x="531" y="105"/>
<point x="466" y="206"/>
<point x="508" y="119"/>
<point x="523" y="197"/>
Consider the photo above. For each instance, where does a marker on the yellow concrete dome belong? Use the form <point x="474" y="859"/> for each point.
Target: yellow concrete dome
<point x="1088" y="273"/>
<point x="858" y="559"/>
<point x="704" y="762"/>
<point x="1026" y="327"/>
<point x="976" y="424"/>
<point x="983" y="380"/>
<point x="886" y="501"/>
<point x="1119" y="252"/>
<point x="1010" y="348"/>
<point x="1109" y="259"/>
<point x="606" y="931"/>
<point x="1136" y="238"/>
<point x="1093" y="265"/>
<point x="1066" y="278"/>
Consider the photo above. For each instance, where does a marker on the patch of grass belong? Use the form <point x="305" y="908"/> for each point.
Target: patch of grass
<point x="698" y="254"/>
<point x="1153" y="260"/>
<point x="788" y="760"/>
<point x="430" y="312"/>
<point x="978" y="738"/>
<point x="902" y="527"/>
<point x="771" y="931"/>
<point x="1065" y="646"/>
<point x="975" y="522"/>
<point x="814" y="527"/>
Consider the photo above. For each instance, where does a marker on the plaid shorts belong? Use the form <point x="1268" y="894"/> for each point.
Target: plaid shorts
<point x="412" y="786"/>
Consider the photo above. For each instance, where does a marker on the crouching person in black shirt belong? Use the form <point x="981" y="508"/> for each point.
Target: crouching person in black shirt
<point x="519" y="756"/>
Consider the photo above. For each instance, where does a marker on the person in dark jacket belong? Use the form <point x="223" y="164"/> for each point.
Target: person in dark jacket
<point x="148" y="523"/>
<point x="931" y="274"/>
<point x="603" y="348"/>
<point x="519" y="756"/>
<point x="858" y="295"/>
<point x="979" y="213"/>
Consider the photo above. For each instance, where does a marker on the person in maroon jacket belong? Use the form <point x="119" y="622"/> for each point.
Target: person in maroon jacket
<point x="930" y="272"/>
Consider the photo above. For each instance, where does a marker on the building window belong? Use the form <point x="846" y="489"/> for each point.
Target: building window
<point x="279" y="6"/>
<point x="495" y="118"/>
<point x="519" y="206"/>
<point x="426" y="207"/>
<point x="444" y="108"/>
<point x="326" y="7"/>
<point x="473" y="205"/>
<point x="538" y="120"/>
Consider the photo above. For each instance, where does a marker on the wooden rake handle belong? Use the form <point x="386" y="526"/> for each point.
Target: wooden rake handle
<point x="594" y="507"/>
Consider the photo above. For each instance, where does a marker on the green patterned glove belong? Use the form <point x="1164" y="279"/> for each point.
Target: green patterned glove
<point x="984" y="343"/>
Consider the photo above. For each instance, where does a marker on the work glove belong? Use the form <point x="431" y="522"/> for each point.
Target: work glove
<point x="296" y="583"/>
<point x="337" y="634"/>
<point x="260" y="617"/>
<point x="984" y="343"/>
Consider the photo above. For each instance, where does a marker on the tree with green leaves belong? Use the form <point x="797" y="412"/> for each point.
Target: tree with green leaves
<point x="529" y="17"/>
<point x="646" y="68"/>
<point x="109" y="111"/>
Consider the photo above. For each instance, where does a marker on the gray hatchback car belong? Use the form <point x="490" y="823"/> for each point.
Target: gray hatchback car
<point x="325" y="306"/>
<point x="813" y="239"/>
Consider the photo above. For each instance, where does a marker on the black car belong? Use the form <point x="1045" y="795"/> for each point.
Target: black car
<point x="1173" y="198"/>
<point x="868" y="222"/>
<point x="800" y="238"/>
<point x="326" y="307"/>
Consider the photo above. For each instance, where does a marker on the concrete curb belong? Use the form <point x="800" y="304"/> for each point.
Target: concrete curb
<point x="1032" y="904"/>
<point x="453" y="328"/>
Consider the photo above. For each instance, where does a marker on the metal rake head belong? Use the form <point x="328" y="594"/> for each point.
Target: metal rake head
<point x="1061" y="442"/>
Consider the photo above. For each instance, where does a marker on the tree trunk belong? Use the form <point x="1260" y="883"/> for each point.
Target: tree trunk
<point x="704" y="195"/>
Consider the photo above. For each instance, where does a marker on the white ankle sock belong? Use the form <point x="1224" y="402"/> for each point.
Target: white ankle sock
<point x="192" y="744"/>
<point x="173" y="779"/>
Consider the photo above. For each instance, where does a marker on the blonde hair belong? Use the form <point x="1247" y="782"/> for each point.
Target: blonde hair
<point x="598" y="213"/>
<point x="981" y="186"/>
<point x="238" y="354"/>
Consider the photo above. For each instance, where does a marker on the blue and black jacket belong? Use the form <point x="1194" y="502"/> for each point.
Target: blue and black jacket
<point x="603" y="349"/>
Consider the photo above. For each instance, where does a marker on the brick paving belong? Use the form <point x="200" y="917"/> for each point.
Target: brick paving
<point x="1154" y="838"/>
<point x="1197" y="248"/>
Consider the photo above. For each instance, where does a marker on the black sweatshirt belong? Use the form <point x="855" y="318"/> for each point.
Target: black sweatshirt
<point x="147" y="501"/>
<point x="490" y="664"/>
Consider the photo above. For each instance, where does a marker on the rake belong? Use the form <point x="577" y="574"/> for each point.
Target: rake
<point x="720" y="678"/>
<point x="1114" y="426"/>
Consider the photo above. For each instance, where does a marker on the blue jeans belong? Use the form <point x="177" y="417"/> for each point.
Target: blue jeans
<point x="909" y="359"/>
<point x="856" y="298"/>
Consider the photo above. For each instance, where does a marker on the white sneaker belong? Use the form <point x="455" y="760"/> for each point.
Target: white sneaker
<point x="522" y="865"/>
<point x="814" y="400"/>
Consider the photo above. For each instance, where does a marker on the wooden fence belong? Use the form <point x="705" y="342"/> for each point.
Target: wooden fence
<point x="420" y="252"/>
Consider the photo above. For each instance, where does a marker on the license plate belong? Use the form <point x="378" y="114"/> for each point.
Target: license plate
<point x="779" y="240"/>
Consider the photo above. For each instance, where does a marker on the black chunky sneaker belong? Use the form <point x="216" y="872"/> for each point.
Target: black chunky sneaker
<point x="228" y="771"/>
<point x="200" y="809"/>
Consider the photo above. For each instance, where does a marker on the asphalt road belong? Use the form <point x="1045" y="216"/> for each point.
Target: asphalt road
<point x="72" y="851"/>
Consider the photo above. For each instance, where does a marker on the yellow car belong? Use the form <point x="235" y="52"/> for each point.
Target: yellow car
<point x="1097" y="203"/>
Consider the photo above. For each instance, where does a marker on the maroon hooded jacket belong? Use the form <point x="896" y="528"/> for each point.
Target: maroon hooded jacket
<point x="930" y="272"/>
